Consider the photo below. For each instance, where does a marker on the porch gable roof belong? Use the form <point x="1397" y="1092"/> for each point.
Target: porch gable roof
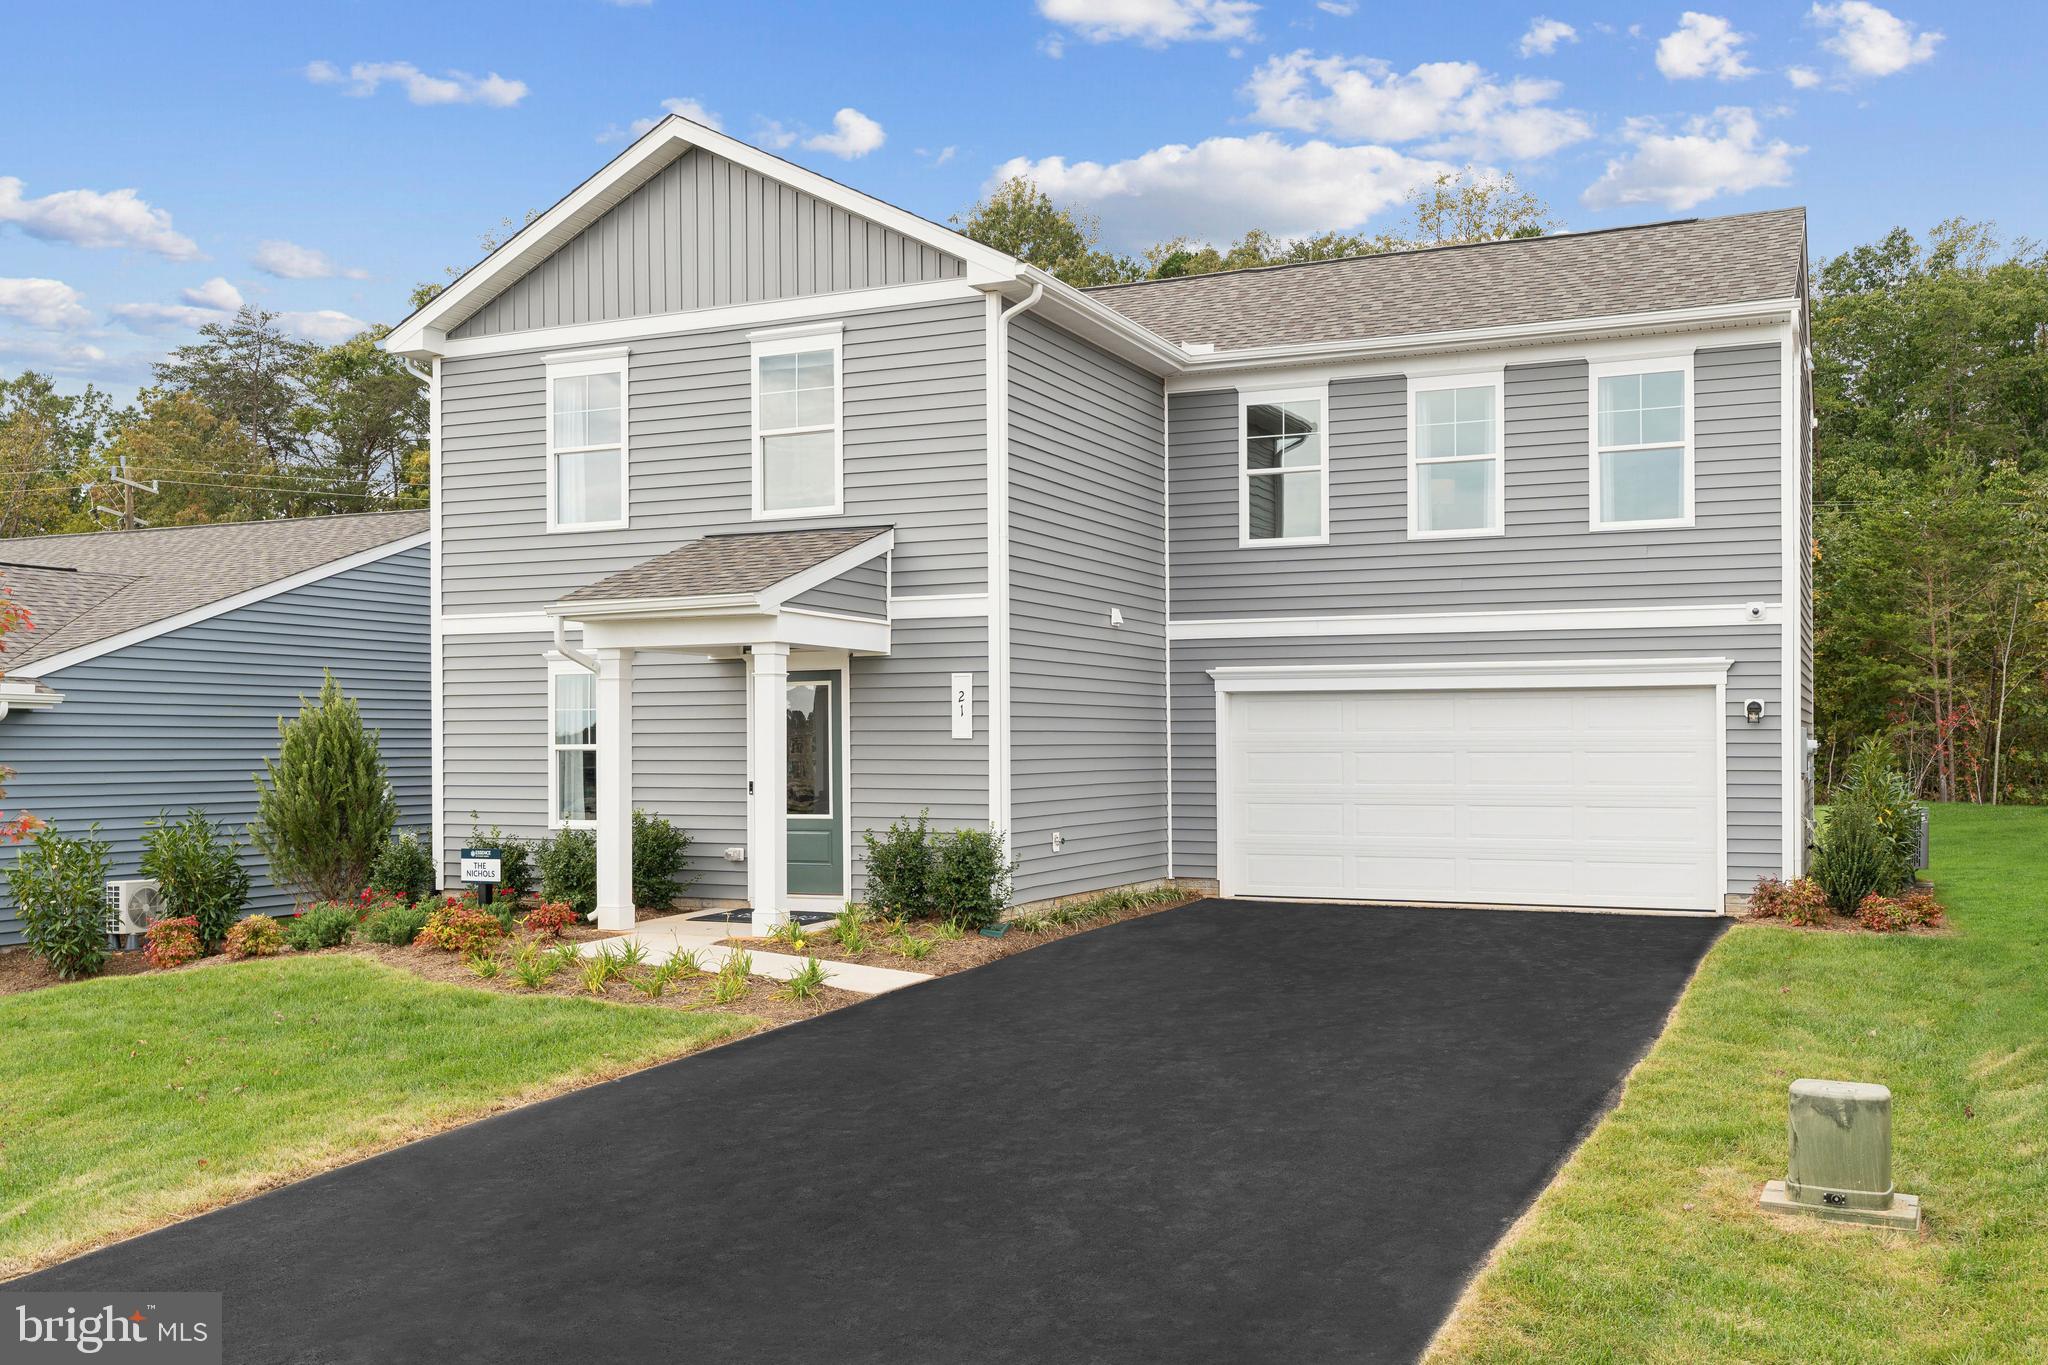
<point x="756" y="569"/>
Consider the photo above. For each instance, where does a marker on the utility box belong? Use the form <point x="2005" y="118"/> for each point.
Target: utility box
<point x="1840" y="1167"/>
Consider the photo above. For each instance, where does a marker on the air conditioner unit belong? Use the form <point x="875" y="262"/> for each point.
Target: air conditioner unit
<point x="133" y="905"/>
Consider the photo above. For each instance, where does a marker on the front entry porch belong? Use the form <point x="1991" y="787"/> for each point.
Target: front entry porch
<point x="797" y="607"/>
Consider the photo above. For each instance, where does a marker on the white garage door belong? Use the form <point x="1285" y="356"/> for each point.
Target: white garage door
<point x="1588" y="797"/>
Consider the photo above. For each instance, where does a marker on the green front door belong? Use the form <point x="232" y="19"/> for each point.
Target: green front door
<point x="817" y="798"/>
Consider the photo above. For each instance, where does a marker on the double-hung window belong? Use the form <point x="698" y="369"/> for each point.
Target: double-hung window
<point x="586" y="416"/>
<point x="1641" y="464"/>
<point x="797" y="422"/>
<point x="1456" y="483"/>
<point x="572" y="746"/>
<point x="1283" y="484"/>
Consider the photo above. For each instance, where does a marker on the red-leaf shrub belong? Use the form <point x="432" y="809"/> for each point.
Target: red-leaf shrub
<point x="172" y="942"/>
<point x="457" y="927"/>
<point x="1804" y="903"/>
<point x="1888" y="915"/>
<point x="550" y="918"/>
<point x="256" y="936"/>
<point x="1922" y="908"/>
<point x="1767" y="899"/>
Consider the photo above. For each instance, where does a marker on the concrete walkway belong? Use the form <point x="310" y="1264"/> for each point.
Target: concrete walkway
<point x="665" y="937"/>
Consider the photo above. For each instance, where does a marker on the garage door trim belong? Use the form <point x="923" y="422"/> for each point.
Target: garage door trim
<point x="1574" y="674"/>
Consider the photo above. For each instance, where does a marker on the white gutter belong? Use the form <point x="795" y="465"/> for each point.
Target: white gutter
<point x="999" y="568"/>
<point x="19" y="695"/>
<point x="574" y="656"/>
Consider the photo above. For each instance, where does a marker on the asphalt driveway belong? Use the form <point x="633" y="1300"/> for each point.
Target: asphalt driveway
<point x="1228" y="1132"/>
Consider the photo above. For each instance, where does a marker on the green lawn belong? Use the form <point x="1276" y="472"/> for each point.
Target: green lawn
<point x="1649" y="1247"/>
<point x="130" y="1101"/>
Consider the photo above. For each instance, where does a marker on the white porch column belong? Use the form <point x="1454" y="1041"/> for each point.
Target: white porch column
<point x="767" y="860"/>
<point x="615" y="788"/>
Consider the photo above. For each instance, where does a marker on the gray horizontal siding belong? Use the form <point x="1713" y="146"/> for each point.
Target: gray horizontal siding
<point x="1546" y="558"/>
<point x="705" y="233"/>
<point x="916" y="441"/>
<point x="1087" y="702"/>
<point x="186" y="719"/>
<point x="861" y="591"/>
<point x="1754" y="754"/>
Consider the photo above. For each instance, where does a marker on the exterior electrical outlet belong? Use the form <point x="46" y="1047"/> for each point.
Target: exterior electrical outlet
<point x="1840" y="1166"/>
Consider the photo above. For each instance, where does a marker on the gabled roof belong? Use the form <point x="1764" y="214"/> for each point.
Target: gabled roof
<point x="738" y="565"/>
<point x="1657" y="267"/>
<point x="104" y="586"/>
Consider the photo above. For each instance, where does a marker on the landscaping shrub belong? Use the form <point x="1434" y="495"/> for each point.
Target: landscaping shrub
<point x="1922" y="908"/>
<point x="172" y="942"/>
<point x="1854" y="857"/>
<point x="256" y="936"/>
<point x="1806" y="904"/>
<point x="404" y="869"/>
<point x="900" y="866"/>
<point x="1887" y="915"/>
<point x="200" y="873"/>
<point x="568" y="870"/>
<point x="549" y="918"/>
<point x="659" y="851"/>
<point x="456" y="926"/>
<point x="328" y="924"/>
<point x="970" y="881"/>
<point x="1767" y="899"/>
<point x="515" y="857"/>
<point x="58" y="886"/>
<point x="324" y="808"/>
<point x="1873" y="781"/>
<point x="394" y="924"/>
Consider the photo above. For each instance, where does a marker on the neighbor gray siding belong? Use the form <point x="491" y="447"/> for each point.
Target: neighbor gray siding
<point x="1087" y="533"/>
<point x="186" y="719"/>
<point x="705" y="233"/>
<point x="904" y="757"/>
<point x="1754" y="754"/>
<point x="915" y="418"/>
<point x="1547" y="557"/>
<point x="861" y="591"/>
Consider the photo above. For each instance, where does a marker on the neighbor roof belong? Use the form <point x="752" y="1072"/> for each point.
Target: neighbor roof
<point x="739" y="562"/>
<point x="1689" y="263"/>
<point x="81" y="589"/>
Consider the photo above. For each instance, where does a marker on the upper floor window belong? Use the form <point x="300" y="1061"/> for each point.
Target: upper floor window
<point x="586" y="415"/>
<point x="1455" y="463"/>
<point x="1283" y="469"/>
<point x="796" y="422"/>
<point x="1641" y="473"/>
<point x="572" y="746"/>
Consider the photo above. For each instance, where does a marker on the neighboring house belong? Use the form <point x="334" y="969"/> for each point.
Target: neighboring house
<point x="1440" y="576"/>
<point x="161" y="660"/>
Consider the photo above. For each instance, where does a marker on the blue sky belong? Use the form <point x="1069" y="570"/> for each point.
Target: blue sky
<point x="162" y="163"/>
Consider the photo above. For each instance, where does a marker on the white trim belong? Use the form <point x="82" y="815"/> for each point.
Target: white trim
<point x="1166" y="601"/>
<point x="495" y="623"/>
<point x="802" y="331"/>
<point x="797" y="341"/>
<point x="26" y="695"/>
<point x="938" y="606"/>
<point x="71" y="658"/>
<point x="574" y="365"/>
<point x="1319" y="394"/>
<point x="566" y="668"/>
<point x="999" y="747"/>
<point x="437" y="650"/>
<point x="1496" y="379"/>
<point x="1682" y="362"/>
<point x="1493" y="675"/>
<point x="1657" y="617"/>
<point x="1791" y="663"/>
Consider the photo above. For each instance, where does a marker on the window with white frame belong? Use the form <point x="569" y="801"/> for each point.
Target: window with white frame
<point x="1284" y="470"/>
<point x="572" y="746"/>
<point x="1455" y="485"/>
<point x="796" y="423"/>
<point x="1641" y="473"/>
<point x="586" y="415"/>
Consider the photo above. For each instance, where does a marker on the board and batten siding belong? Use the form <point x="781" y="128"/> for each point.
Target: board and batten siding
<point x="915" y="443"/>
<point x="1755" y="830"/>
<point x="1087" y="699"/>
<point x="187" y="718"/>
<point x="1547" y="558"/>
<point x="707" y="233"/>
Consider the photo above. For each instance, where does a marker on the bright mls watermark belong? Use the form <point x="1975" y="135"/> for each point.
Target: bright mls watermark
<point x="164" y="1329"/>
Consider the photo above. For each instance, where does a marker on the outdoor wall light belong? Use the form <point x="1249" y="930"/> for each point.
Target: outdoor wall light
<point x="1753" y="711"/>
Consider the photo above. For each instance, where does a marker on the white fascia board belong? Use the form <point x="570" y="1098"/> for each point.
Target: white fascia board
<point x="797" y="584"/>
<point x="26" y="695"/>
<point x="71" y="658"/>
<point x="1516" y="675"/>
<point x="939" y="606"/>
<point x="732" y="631"/>
<point x="710" y="604"/>
<point x="496" y="623"/>
<point x="629" y="170"/>
<point x="1100" y="325"/>
<point x="1665" y="617"/>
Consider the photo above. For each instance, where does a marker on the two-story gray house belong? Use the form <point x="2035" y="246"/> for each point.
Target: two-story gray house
<point x="1475" y="575"/>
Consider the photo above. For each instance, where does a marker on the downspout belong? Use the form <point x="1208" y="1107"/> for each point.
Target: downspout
<point x="574" y="656"/>
<point x="999" y="571"/>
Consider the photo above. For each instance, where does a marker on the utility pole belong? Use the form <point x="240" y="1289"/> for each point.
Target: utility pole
<point x="128" y="486"/>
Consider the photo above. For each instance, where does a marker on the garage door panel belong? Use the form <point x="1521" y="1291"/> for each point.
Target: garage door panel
<point x="1517" y="712"/>
<point x="1393" y="768"/>
<point x="1535" y="768"/>
<point x="1500" y="878"/>
<point x="1297" y="875"/>
<point x="1407" y="876"/>
<point x="1398" y="713"/>
<point x="1520" y="821"/>
<point x="1402" y="819"/>
<point x="1292" y="768"/>
<point x="1638" y="823"/>
<point x="1313" y="714"/>
<point x="1636" y="767"/>
<point x="1280" y="819"/>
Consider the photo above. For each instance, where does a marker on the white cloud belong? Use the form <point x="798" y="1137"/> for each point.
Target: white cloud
<point x="773" y="135"/>
<point x="456" y="87"/>
<point x="90" y="218"/>
<point x="44" y="353"/>
<point x="325" y="325"/>
<point x="1343" y="9"/>
<point x="212" y="301"/>
<point x="1716" y="154"/>
<point x="1454" y="108"/>
<point x="290" y="261"/>
<point x="43" y="303"/>
<point x="216" y="294"/>
<point x="1703" y="45"/>
<point x="938" y="158"/>
<point x="853" y="135"/>
<point x="1153" y="22"/>
<point x="1873" y="41"/>
<point x="1802" y="77"/>
<point x="1545" y="34"/>
<point x="692" y="110"/>
<point x="1216" y="189"/>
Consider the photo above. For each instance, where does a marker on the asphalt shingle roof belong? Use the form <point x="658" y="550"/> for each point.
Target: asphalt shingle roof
<point x="740" y="562"/>
<point x="80" y="589"/>
<point x="1695" y="262"/>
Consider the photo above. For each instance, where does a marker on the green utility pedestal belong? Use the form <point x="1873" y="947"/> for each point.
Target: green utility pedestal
<point x="1841" y="1160"/>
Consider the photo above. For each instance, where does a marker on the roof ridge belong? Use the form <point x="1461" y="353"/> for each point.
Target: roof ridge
<point x="215" y="525"/>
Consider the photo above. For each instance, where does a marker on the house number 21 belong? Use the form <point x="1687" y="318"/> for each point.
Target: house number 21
<point x="963" y="706"/>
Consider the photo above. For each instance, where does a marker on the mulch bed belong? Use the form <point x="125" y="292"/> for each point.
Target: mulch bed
<point x="21" y="970"/>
